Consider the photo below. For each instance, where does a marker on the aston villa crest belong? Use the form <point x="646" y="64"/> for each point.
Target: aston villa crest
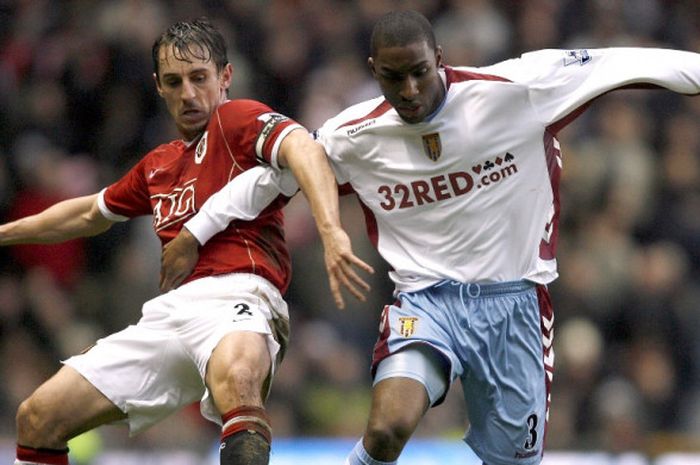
<point x="432" y="145"/>
<point x="408" y="325"/>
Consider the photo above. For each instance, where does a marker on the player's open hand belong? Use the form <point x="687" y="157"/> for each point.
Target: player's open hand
<point x="179" y="258"/>
<point x="340" y="265"/>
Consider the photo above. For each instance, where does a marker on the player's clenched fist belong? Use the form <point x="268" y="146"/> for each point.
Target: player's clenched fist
<point x="179" y="258"/>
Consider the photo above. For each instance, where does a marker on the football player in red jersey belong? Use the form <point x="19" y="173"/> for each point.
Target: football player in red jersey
<point x="218" y="338"/>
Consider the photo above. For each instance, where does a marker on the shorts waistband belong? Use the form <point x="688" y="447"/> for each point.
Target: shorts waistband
<point x="474" y="290"/>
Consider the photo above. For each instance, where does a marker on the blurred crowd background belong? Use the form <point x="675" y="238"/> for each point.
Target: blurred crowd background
<point x="78" y="107"/>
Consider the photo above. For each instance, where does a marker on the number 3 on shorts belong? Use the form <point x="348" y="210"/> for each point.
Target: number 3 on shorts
<point x="532" y="431"/>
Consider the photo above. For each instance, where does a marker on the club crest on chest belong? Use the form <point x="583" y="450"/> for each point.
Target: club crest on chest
<point x="432" y="145"/>
<point x="201" y="150"/>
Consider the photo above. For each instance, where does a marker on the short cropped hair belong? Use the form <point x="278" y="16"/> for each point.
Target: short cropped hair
<point x="400" y="28"/>
<point x="193" y="39"/>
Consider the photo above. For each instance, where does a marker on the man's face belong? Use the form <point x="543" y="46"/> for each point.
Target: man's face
<point x="409" y="79"/>
<point x="192" y="89"/>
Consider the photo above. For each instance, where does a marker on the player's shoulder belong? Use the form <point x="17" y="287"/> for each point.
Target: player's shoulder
<point x="244" y="112"/>
<point x="540" y="63"/>
<point x="166" y="150"/>
<point x="242" y="106"/>
<point x="464" y="74"/>
<point x="544" y="55"/>
<point x="161" y="155"/>
<point x="358" y="113"/>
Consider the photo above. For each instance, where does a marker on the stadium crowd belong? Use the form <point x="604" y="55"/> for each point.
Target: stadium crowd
<point x="77" y="108"/>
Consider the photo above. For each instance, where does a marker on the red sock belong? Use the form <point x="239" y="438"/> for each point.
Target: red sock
<point x="246" y="418"/>
<point x="42" y="456"/>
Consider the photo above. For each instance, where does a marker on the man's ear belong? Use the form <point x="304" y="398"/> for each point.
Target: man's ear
<point x="370" y="64"/>
<point x="155" y="79"/>
<point x="226" y="76"/>
<point x="438" y="56"/>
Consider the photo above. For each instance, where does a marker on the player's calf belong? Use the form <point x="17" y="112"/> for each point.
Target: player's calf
<point x="34" y="428"/>
<point x="245" y="437"/>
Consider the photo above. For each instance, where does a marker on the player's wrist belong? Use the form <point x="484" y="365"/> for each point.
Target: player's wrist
<point x="328" y="229"/>
<point x="201" y="227"/>
<point x="189" y="237"/>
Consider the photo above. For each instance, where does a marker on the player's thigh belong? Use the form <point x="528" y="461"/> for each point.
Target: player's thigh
<point x="237" y="335"/>
<point x="238" y="369"/>
<point x="422" y="363"/>
<point x="64" y="406"/>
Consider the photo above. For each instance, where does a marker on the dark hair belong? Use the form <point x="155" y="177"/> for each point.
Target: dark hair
<point x="193" y="39"/>
<point x="400" y="28"/>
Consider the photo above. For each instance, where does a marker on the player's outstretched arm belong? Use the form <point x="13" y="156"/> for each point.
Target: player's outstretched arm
<point x="307" y="160"/>
<point x="69" y="219"/>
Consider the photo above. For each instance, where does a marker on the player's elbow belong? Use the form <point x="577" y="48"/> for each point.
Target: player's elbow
<point x="94" y="222"/>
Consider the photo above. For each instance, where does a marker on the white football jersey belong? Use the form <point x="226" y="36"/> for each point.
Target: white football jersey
<point x="471" y="194"/>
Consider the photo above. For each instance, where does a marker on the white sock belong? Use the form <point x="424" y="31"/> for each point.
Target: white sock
<point x="359" y="456"/>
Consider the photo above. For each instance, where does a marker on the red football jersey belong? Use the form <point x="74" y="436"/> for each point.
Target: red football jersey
<point x="173" y="181"/>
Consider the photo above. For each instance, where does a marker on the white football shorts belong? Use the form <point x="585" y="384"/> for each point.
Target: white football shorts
<point x="156" y="367"/>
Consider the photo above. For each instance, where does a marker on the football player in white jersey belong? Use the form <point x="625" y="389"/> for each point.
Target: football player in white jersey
<point x="457" y="169"/>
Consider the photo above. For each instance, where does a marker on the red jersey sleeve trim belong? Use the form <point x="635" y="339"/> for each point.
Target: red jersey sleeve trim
<point x="380" y="110"/>
<point x="452" y="75"/>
